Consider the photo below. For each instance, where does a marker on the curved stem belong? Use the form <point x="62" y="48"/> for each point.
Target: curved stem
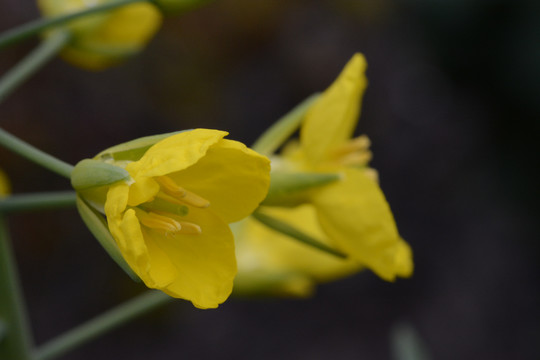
<point x="282" y="129"/>
<point x="17" y="339"/>
<point x="32" y="62"/>
<point x="34" y="154"/>
<point x="101" y="324"/>
<point x="29" y="29"/>
<point x="37" y="201"/>
<point x="289" y="230"/>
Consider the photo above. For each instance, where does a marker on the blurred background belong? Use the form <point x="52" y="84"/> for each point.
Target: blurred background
<point x="452" y="110"/>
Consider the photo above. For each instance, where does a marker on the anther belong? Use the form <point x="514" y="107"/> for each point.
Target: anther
<point x="357" y="158"/>
<point x="170" y="187"/>
<point x="360" y="143"/>
<point x="190" y="228"/>
<point x="158" y="222"/>
<point x="181" y="195"/>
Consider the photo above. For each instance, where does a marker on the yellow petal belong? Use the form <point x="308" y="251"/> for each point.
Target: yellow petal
<point x="205" y="264"/>
<point x="232" y="177"/>
<point x="127" y="233"/>
<point x="261" y="248"/>
<point x="355" y="214"/>
<point x="117" y="199"/>
<point x="330" y="122"/>
<point x="175" y="153"/>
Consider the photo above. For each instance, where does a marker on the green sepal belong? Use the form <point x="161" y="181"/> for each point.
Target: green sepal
<point x="132" y="150"/>
<point x="93" y="173"/>
<point x="282" y="129"/>
<point x="98" y="227"/>
<point x="294" y="233"/>
<point x="291" y="189"/>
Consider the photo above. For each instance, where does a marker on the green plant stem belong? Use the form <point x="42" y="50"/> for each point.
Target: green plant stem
<point x="31" y="153"/>
<point x="295" y="234"/>
<point x="37" y="201"/>
<point x="32" y="62"/>
<point x="16" y="343"/>
<point x="101" y="324"/>
<point x="282" y="129"/>
<point x="32" y="28"/>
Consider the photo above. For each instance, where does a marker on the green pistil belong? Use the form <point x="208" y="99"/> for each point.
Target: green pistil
<point x="163" y="205"/>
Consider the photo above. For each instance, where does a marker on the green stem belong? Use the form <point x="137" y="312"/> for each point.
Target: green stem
<point x="16" y="343"/>
<point x="101" y="324"/>
<point x="32" y="62"/>
<point x="296" y="234"/>
<point x="37" y="201"/>
<point x="30" y="152"/>
<point x="32" y="28"/>
<point x="282" y="129"/>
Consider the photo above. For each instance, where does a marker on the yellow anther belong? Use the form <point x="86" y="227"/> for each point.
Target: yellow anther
<point x="179" y="195"/>
<point x="195" y="200"/>
<point x="169" y="186"/>
<point x="190" y="228"/>
<point x="158" y="222"/>
<point x="360" y="143"/>
<point x="356" y="158"/>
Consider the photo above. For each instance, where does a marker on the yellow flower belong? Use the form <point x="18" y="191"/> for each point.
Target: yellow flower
<point x="102" y="40"/>
<point x="5" y="187"/>
<point x="350" y="215"/>
<point x="170" y="220"/>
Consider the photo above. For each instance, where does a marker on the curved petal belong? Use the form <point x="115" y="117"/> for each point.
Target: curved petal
<point x="126" y="231"/>
<point x="332" y="119"/>
<point x="356" y="216"/>
<point x="117" y="199"/>
<point x="262" y="248"/>
<point x="205" y="264"/>
<point x="175" y="153"/>
<point x="232" y="177"/>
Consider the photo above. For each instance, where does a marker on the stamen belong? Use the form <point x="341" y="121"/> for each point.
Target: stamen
<point x="158" y="222"/>
<point x="360" y="143"/>
<point x="195" y="200"/>
<point x="356" y="158"/>
<point x="190" y="228"/>
<point x="180" y="195"/>
<point x="170" y="187"/>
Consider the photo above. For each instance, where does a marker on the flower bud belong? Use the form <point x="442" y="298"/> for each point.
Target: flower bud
<point x="104" y="39"/>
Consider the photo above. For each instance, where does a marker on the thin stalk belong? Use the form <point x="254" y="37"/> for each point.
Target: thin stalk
<point x="32" y="28"/>
<point x="282" y="129"/>
<point x="102" y="324"/>
<point x="294" y="233"/>
<point x="32" y="153"/>
<point x="32" y="62"/>
<point x="37" y="201"/>
<point x="17" y="340"/>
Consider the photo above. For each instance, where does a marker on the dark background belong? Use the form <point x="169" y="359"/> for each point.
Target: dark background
<point x="452" y="110"/>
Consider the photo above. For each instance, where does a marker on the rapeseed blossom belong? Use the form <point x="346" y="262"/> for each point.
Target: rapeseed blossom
<point x="105" y="39"/>
<point x="170" y="218"/>
<point x="350" y="214"/>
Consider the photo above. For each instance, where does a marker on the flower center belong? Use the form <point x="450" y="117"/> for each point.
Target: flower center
<point x="170" y="204"/>
<point x="354" y="153"/>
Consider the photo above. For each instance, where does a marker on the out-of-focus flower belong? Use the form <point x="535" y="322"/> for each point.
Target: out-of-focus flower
<point x="5" y="187"/>
<point x="105" y="39"/>
<point x="349" y="214"/>
<point x="169" y="218"/>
